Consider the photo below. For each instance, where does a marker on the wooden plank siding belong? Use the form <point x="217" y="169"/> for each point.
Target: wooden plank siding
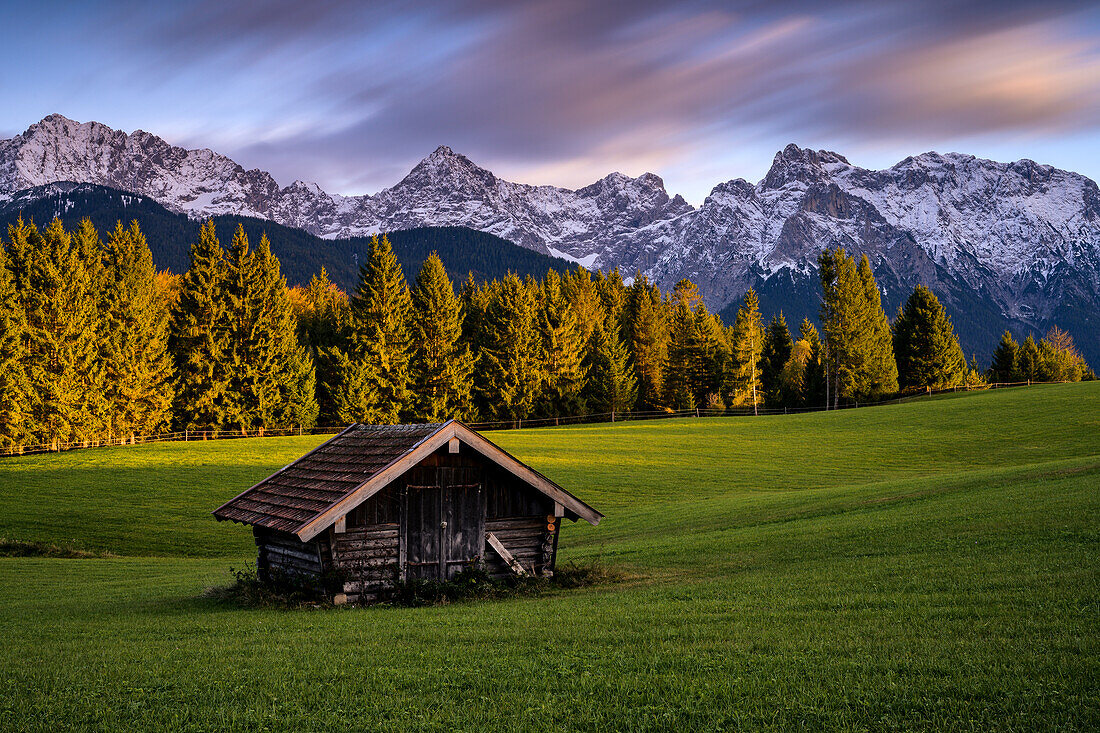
<point x="284" y="552"/>
<point x="429" y="520"/>
<point x="367" y="559"/>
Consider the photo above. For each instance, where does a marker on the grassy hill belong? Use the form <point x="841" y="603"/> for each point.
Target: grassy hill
<point x="928" y="565"/>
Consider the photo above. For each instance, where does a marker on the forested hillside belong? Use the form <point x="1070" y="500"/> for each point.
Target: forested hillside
<point x="97" y="346"/>
<point x="302" y="255"/>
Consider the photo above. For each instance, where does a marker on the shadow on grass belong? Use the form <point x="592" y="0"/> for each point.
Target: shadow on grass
<point x="20" y="548"/>
<point x="288" y="592"/>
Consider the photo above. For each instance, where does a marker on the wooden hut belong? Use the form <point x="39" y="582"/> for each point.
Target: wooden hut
<point x="383" y="503"/>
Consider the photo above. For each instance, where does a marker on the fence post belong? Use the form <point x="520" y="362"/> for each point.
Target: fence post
<point x="612" y="415"/>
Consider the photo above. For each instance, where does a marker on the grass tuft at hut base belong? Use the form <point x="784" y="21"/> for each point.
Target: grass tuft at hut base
<point x="474" y="584"/>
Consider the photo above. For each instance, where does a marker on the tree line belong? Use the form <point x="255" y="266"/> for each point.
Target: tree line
<point x="96" y="345"/>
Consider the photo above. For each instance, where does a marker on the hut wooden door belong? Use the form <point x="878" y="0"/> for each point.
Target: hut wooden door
<point x="444" y="522"/>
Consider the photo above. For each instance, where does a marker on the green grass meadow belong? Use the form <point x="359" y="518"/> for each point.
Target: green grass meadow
<point x="931" y="565"/>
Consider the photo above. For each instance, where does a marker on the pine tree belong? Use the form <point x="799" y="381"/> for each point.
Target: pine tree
<point x="441" y="366"/>
<point x="379" y="335"/>
<point x="135" y="342"/>
<point x="247" y="375"/>
<point x="712" y="361"/>
<point x="14" y="386"/>
<point x="792" y="377"/>
<point x="813" y="376"/>
<point x="612" y="294"/>
<point x="473" y="297"/>
<point x="683" y="357"/>
<point x="927" y="349"/>
<point x="89" y="248"/>
<point x="581" y="295"/>
<point x="322" y="324"/>
<point x="563" y="343"/>
<point x="858" y="344"/>
<point x="645" y="333"/>
<point x="271" y="375"/>
<point x="747" y="345"/>
<point x="879" y="375"/>
<point x="290" y="389"/>
<point x="352" y="390"/>
<point x="323" y="312"/>
<point x="1029" y="361"/>
<point x="512" y="358"/>
<point x="1004" y="367"/>
<point x="774" y="356"/>
<point x="198" y="338"/>
<point x="62" y="340"/>
<point x="612" y="385"/>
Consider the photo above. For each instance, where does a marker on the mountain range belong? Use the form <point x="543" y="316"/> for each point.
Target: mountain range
<point x="301" y="254"/>
<point x="1012" y="245"/>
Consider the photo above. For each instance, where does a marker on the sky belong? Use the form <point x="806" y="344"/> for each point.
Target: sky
<point x="351" y="95"/>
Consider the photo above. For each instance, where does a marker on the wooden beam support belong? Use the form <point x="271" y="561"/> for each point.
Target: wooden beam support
<point x="341" y="524"/>
<point x="452" y="445"/>
<point x="504" y="554"/>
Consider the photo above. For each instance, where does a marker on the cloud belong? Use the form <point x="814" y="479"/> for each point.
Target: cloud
<point x="561" y="91"/>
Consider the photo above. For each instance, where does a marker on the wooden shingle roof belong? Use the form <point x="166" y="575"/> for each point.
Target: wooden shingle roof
<point x="299" y="492"/>
<point x="307" y="496"/>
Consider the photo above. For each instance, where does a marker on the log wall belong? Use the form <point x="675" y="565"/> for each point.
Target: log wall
<point x="286" y="553"/>
<point x="367" y="558"/>
<point x="529" y="539"/>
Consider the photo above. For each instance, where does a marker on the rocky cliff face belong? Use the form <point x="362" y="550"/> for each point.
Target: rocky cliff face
<point x="1018" y="240"/>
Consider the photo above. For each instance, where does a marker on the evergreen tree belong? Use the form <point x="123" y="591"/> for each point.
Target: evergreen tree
<point x="792" y="377"/>
<point x="927" y="349"/>
<point x="1029" y="361"/>
<point x="776" y="353"/>
<point x="683" y="358"/>
<point x="613" y="387"/>
<point x="65" y="373"/>
<point x="379" y="335"/>
<point x="198" y="339"/>
<point x="474" y="299"/>
<point x="813" y="376"/>
<point x="322" y="323"/>
<point x="512" y="357"/>
<point x="352" y="390"/>
<point x="1003" y="367"/>
<point x="645" y="333"/>
<point x="612" y="294"/>
<point x="712" y="361"/>
<point x="289" y="388"/>
<point x="322" y="312"/>
<point x="879" y="375"/>
<point x="135" y="342"/>
<point x="858" y="345"/>
<point x="582" y="297"/>
<point x="14" y="386"/>
<point x="247" y="379"/>
<point x="563" y="343"/>
<point x="441" y="366"/>
<point x="747" y="342"/>
<point x="272" y="382"/>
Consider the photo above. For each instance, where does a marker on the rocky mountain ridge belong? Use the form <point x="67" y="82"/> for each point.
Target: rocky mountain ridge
<point x="1018" y="242"/>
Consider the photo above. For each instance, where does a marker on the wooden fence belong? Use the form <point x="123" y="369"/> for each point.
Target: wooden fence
<point x="598" y="417"/>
